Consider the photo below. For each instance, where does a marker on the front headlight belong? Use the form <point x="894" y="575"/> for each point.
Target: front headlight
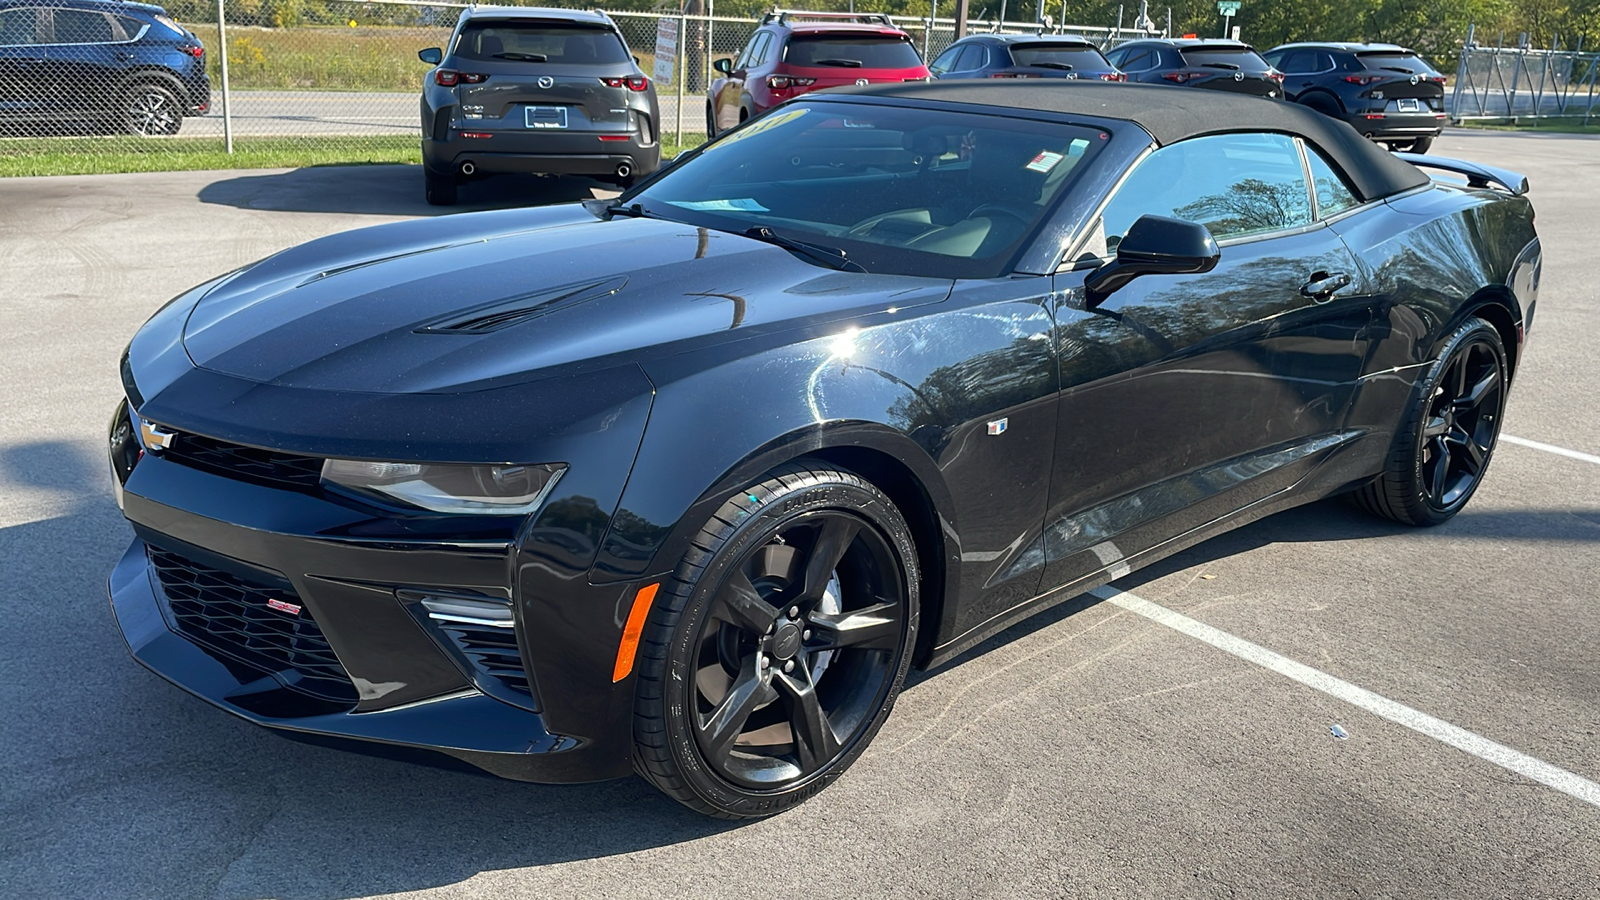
<point x="475" y="490"/>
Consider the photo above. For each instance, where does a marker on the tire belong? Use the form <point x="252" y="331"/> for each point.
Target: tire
<point x="150" y="109"/>
<point x="1324" y="104"/>
<point x="440" y="190"/>
<point x="731" y="736"/>
<point x="1448" y="436"/>
<point x="1421" y="145"/>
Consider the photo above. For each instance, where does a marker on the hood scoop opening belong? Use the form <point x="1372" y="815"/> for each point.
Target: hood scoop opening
<point x="509" y="311"/>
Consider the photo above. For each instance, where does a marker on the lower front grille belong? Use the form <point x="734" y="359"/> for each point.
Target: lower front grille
<point x="235" y="617"/>
<point x="493" y="651"/>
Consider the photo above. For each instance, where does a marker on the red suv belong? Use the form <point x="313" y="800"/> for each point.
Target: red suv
<point x="795" y="52"/>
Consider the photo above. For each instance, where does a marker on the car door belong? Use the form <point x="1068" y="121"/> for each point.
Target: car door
<point x="21" y="61"/>
<point x="1188" y="397"/>
<point x="81" y="62"/>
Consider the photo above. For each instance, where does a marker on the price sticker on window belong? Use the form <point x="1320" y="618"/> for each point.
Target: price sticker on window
<point x="1045" y="161"/>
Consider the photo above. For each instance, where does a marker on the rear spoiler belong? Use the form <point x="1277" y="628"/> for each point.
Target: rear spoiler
<point x="1478" y="175"/>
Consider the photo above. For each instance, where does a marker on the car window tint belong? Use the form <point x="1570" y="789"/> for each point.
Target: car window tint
<point x="946" y="61"/>
<point x="17" y="27"/>
<point x="1409" y="63"/>
<point x="853" y="52"/>
<point x="1137" y="61"/>
<point x="1324" y="62"/>
<point x="81" y="26"/>
<point x="970" y="58"/>
<point x="743" y="59"/>
<point x="1058" y="55"/>
<point x="1241" y="58"/>
<point x="762" y="49"/>
<point x="905" y="190"/>
<point x="1234" y="184"/>
<point x="563" y="44"/>
<point x="1299" y="62"/>
<point x="130" y="26"/>
<point x="1333" y="194"/>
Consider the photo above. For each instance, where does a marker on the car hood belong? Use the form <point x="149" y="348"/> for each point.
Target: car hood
<point x="478" y="301"/>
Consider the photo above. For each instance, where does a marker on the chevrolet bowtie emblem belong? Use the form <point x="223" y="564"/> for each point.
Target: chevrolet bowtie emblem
<point x="154" y="437"/>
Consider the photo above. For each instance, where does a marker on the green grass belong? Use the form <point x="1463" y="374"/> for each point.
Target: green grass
<point x="108" y="155"/>
<point x="1545" y="125"/>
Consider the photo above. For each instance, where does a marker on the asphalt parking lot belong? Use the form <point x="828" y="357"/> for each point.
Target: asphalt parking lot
<point x="1093" y="751"/>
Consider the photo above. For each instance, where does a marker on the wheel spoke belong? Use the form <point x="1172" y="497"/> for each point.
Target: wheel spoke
<point x="1473" y="397"/>
<point x="1474" y="453"/>
<point x="1458" y="375"/>
<point x="1435" y="426"/>
<point x="814" y="740"/>
<point x="1441" y="468"/>
<point x="876" y="627"/>
<point x="837" y="533"/>
<point x="741" y="604"/>
<point x="749" y="691"/>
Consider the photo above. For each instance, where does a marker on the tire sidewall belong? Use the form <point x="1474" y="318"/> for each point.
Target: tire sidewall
<point x="775" y="513"/>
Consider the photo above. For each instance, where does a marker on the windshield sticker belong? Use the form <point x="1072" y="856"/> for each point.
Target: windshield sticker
<point x="743" y="204"/>
<point x="1045" y="161"/>
<point x="765" y="124"/>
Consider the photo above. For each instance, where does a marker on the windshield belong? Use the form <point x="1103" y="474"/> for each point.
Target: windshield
<point x="1241" y="58"/>
<point x="540" y="42"/>
<point x="1049" y="55"/>
<point x="851" y="51"/>
<point x="900" y="190"/>
<point x="1397" y="62"/>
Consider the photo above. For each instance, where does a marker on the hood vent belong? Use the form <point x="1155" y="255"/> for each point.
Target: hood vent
<point x="509" y="311"/>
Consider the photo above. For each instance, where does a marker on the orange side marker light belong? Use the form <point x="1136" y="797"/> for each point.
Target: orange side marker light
<point x="631" y="631"/>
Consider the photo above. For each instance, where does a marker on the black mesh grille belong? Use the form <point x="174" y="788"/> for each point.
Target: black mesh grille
<point x="492" y="650"/>
<point x="232" y="616"/>
<point x="246" y="463"/>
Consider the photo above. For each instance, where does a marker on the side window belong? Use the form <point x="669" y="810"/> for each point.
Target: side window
<point x="81" y="26"/>
<point x="1324" y="62"/>
<point x="1300" y="62"/>
<point x="131" y="27"/>
<point x="970" y="54"/>
<point x="743" y="60"/>
<point x="1137" y="61"/>
<point x="946" y="61"/>
<point x="763" y="46"/>
<point x="17" y="27"/>
<point x="1234" y="184"/>
<point x="1333" y="195"/>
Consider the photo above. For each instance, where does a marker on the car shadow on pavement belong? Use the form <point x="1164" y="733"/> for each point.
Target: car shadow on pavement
<point x="391" y="190"/>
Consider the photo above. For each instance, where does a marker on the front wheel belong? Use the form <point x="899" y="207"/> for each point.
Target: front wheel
<point x="1449" y="432"/>
<point x="776" y="651"/>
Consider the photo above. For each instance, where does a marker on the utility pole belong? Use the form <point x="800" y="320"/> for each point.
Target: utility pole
<point x="963" y="9"/>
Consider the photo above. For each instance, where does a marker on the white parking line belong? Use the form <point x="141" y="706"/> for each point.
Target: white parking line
<point x="1551" y="448"/>
<point x="1566" y="782"/>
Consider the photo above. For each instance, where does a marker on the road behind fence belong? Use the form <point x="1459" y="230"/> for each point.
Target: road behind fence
<point x="341" y="78"/>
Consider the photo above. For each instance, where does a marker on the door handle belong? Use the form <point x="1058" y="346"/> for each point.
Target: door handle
<point x="1322" y="285"/>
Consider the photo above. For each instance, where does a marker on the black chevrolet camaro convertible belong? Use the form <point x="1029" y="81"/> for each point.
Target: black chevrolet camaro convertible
<point x="685" y="482"/>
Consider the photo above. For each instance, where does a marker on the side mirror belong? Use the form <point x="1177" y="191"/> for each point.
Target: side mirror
<point x="432" y="56"/>
<point x="1155" y="245"/>
<point x="725" y="66"/>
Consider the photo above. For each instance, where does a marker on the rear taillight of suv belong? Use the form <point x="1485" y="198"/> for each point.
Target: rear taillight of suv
<point x="1113" y="76"/>
<point x="632" y="82"/>
<point x="1365" y="80"/>
<point x="194" y="50"/>
<point x="784" y="82"/>
<point x="451" y="78"/>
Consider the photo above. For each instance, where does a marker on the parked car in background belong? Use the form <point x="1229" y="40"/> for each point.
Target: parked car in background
<point x="795" y="52"/>
<point x="542" y="91"/>
<point x="1023" y="56"/>
<point x="98" y="66"/>
<point x="1198" y="62"/>
<point x="1385" y="91"/>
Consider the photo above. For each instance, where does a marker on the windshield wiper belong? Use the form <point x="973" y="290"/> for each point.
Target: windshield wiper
<point x="1229" y="66"/>
<point x="846" y="63"/>
<point x="605" y="210"/>
<point x="523" y="57"/>
<point x="832" y="257"/>
<point x="1052" y="65"/>
<point x="633" y="211"/>
<point x="1400" y="69"/>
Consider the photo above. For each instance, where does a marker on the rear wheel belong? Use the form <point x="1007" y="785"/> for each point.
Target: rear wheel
<point x="1421" y="145"/>
<point x="777" y="649"/>
<point x="1449" y="433"/>
<point x="440" y="190"/>
<point x="151" y="110"/>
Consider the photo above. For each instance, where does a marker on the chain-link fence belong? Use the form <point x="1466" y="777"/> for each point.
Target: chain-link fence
<point x="336" y="79"/>
<point x="1516" y="83"/>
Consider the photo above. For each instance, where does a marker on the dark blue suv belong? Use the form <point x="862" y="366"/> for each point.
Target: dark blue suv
<point x="98" y="65"/>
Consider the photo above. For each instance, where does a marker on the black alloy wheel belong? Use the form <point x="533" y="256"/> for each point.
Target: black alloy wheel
<point x="777" y="650"/>
<point x="151" y="110"/>
<point x="1449" y="434"/>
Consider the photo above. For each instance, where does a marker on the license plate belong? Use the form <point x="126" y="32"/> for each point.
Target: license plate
<point x="1406" y="105"/>
<point x="545" y="116"/>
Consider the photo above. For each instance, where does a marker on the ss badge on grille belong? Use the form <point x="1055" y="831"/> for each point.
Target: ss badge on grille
<point x="280" y="606"/>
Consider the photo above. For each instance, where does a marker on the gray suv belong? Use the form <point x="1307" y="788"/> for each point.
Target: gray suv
<point x="542" y="91"/>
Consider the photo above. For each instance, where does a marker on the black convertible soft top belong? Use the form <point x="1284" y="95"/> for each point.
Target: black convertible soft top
<point x="1172" y="114"/>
